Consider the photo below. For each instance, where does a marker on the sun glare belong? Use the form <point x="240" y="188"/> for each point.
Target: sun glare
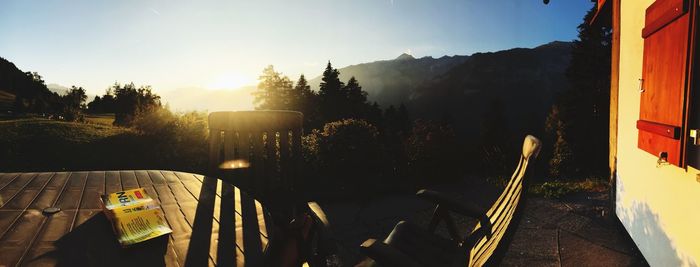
<point x="231" y="81"/>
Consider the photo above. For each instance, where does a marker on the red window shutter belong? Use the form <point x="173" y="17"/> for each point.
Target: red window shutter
<point x="666" y="36"/>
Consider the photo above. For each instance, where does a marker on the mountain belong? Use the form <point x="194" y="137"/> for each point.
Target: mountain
<point x="22" y="91"/>
<point x="59" y="89"/>
<point x="405" y="56"/>
<point x="521" y="82"/>
<point x="62" y="90"/>
<point x="390" y="82"/>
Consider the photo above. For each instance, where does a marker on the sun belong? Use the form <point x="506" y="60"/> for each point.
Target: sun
<point x="231" y="80"/>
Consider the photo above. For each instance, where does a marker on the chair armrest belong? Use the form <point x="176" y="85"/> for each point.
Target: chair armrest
<point x="326" y="239"/>
<point x="446" y="201"/>
<point x="386" y="255"/>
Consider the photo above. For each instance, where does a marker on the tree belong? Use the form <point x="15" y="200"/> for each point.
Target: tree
<point x="330" y="94"/>
<point x="355" y="98"/>
<point x="75" y="98"/>
<point x="131" y="102"/>
<point x="273" y="90"/>
<point x="582" y="113"/>
<point x="104" y="104"/>
<point x="304" y="100"/>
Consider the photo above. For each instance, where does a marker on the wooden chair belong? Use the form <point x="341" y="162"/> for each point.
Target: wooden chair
<point x="411" y="245"/>
<point x="260" y="152"/>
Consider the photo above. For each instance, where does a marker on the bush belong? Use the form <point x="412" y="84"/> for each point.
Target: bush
<point x="73" y="114"/>
<point x="346" y="155"/>
<point x="178" y="141"/>
<point x="433" y="152"/>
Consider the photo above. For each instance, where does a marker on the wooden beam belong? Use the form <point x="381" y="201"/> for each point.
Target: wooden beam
<point x="614" y="87"/>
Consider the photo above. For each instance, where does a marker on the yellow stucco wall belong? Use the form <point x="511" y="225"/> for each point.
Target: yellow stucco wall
<point x="659" y="206"/>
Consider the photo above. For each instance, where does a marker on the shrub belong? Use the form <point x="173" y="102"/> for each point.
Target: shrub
<point x="346" y="154"/>
<point x="433" y="152"/>
<point x="73" y="114"/>
<point x="178" y="141"/>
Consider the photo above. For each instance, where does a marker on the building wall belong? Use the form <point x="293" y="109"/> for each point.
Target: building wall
<point x="658" y="205"/>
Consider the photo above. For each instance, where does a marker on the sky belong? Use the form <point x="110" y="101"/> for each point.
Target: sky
<point x="226" y="44"/>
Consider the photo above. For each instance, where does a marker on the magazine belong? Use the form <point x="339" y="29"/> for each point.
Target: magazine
<point x="134" y="215"/>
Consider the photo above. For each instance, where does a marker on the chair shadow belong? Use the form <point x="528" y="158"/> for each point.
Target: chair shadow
<point x="202" y="232"/>
<point x="93" y="244"/>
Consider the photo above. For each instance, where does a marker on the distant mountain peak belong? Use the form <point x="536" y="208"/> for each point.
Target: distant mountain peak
<point x="555" y="44"/>
<point x="405" y="56"/>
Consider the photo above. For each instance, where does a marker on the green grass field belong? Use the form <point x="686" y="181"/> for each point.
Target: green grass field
<point x="104" y="119"/>
<point x="38" y="144"/>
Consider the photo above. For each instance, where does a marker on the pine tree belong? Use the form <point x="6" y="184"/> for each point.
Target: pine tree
<point x="273" y="90"/>
<point x="356" y="98"/>
<point x="305" y="100"/>
<point x="582" y="115"/>
<point x="330" y="94"/>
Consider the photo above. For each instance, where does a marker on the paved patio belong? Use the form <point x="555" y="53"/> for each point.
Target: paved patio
<point x="568" y="232"/>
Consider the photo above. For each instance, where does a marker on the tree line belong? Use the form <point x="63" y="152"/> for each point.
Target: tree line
<point x="334" y="101"/>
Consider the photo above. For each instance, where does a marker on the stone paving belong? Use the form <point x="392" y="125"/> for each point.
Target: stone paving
<point x="568" y="232"/>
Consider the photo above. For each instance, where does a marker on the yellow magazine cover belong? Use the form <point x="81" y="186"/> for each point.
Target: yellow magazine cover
<point x="134" y="215"/>
<point x="140" y="226"/>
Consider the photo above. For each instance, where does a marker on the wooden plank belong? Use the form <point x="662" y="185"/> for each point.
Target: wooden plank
<point x="244" y="142"/>
<point x="661" y="13"/>
<point x="80" y="201"/>
<point x="49" y="198"/>
<point x="252" y="243"/>
<point x="614" y="102"/>
<point x="170" y="177"/>
<point x="129" y="180"/>
<point x="7" y="178"/>
<point x="485" y="248"/>
<point x="94" y="187"/>
<point x="214" y="149"/>
<point x="52" y="191"/>
<point x="297" y="160"/>
<point x="143" y="179"/>
<point x="177" y="248"/>
<point x="204" y="227"/>
<point x="669" y="131"/>
<point x="271" y="160"/>
<point x="113" y="182"/>
<point x="171" y="256"/>
<point x="70" y="198"/>
<point x="26" y="196"/>
<point x="284" y="163"/>
<point x="14" y="187"/>
<point x="257" y="165"/>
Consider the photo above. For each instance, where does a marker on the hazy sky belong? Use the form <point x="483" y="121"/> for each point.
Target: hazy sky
<point x="219" y="44"/>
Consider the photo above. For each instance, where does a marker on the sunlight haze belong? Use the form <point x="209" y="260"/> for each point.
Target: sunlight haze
<point x="226" y="44"/>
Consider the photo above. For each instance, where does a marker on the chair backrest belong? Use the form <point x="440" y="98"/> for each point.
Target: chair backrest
<point x="504" y="210"/>
<point x="265" y="144"/>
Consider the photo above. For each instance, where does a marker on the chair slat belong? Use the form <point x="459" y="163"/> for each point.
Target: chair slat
<point x="257" y="164"/>
<point x="214" y="149"/>
<point x="284" y="158"/>
<point x="271" y="159"/>
<point x="488" y="245"/>
<point x="296" y="153"/>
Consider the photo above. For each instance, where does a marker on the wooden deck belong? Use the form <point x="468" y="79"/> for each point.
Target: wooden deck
<point x="213" y="223"/>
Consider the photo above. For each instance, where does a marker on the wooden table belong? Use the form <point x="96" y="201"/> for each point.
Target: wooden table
<point x="213" y="223"/>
